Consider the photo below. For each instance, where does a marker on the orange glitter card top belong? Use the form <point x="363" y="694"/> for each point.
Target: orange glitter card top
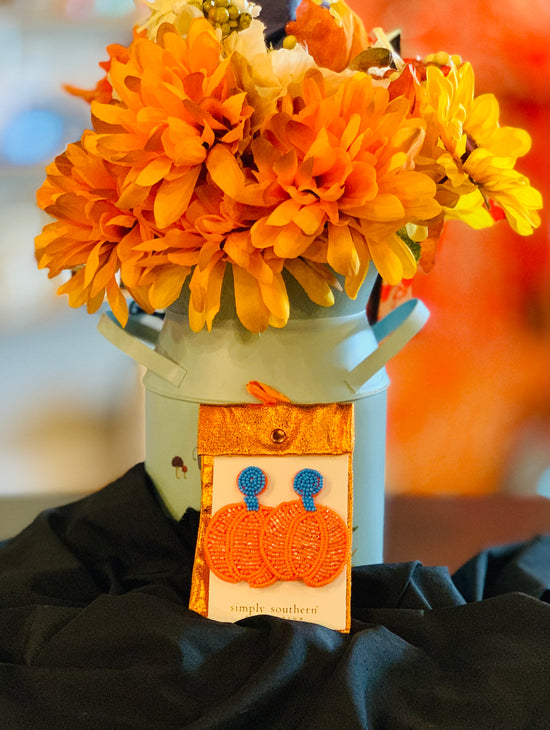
<point x="279" y="429"/>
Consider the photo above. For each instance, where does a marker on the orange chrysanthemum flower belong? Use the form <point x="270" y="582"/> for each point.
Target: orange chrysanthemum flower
<point x="99" y="243"/>
<point x="339" y="167"/>
<point x="81" y="192"/>
<point x="259" y="289"/>
<point x="174" y="99"/>
<point x="214" y="232"/>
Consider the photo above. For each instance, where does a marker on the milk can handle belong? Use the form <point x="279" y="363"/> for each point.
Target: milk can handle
<point x="129" y="340"/>
<point x="392" y="334"/>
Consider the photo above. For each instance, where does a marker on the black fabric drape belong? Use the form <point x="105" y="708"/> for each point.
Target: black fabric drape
<point x="95" y="633"/>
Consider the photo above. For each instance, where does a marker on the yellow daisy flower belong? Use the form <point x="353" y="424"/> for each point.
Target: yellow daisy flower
<point x="499" y="182"/>
<point x="474" y="154"/>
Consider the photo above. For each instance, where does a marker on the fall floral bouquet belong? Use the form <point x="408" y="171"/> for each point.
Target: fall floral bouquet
<point x="211" y="151"/>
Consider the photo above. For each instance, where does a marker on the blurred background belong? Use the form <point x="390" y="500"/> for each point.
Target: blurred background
<point x="469" y="401"/>
<point x="469" y="404"/>
<point x="71" y="407"/>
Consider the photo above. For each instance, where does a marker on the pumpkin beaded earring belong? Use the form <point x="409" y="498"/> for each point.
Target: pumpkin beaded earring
<point x="232" y="540"/>
<point x="302" y="540"/>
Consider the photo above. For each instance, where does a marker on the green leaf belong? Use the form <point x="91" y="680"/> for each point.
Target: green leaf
<point x="415" y="247"/>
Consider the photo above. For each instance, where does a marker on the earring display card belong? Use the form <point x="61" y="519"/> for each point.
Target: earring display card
<point x="275" y="529"/>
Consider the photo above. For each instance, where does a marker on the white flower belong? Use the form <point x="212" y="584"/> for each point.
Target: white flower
<point x="245" y="7"/>
<point x="179" y="13"/>
<point x="282" y="67"/>
<point x="249" y="42"/>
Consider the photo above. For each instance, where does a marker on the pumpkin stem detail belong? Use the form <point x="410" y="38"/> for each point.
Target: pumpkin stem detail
<point x="307" y="483"/>
<point x="251" y="482"/>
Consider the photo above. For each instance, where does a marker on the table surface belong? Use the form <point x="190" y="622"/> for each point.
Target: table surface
<point x="450" y="530"/>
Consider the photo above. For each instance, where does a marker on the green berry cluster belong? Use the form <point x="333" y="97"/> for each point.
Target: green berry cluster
<point x="224" y="15"/>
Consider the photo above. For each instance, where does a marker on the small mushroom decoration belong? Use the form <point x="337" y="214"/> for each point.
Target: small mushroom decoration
<point x="179" y="466"/>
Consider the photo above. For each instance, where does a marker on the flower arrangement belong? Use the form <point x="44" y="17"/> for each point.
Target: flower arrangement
<point x="210" y="150"/>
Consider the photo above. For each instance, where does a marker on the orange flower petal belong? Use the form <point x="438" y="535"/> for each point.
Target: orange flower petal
<point x="173" y="197"/>
<point x="290" y="242"/>
<point x="384" y="207"/>
<point x="225" y="171"/>
<point x="117" y="301"/>
<point x="204" y="301"/>
<point x="167" y="286"/>
<point x="251" y="310"/>
<point x="213" y="293"/>
<point x="354" y="281"/>
<point x="313" y="284"/>
<point x="310" y="219"/>
<point x="156" y="170"/>
<point x="284" y="213"/>
<point x="341" y="253"/>
<point x="275" y="298"/>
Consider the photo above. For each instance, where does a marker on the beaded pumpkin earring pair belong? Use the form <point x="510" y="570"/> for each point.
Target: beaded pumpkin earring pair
<point x="297" y="540"/>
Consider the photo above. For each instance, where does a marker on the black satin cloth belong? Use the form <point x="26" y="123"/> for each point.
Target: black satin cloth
<point x="95" y="633"/>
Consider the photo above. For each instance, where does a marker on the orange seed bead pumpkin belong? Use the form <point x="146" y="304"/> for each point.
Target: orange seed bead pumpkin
<point x="232" y="539"/>
<point x="305" y="541"/>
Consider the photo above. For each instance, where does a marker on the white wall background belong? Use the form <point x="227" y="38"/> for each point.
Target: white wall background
<point x="71" y="406"/>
